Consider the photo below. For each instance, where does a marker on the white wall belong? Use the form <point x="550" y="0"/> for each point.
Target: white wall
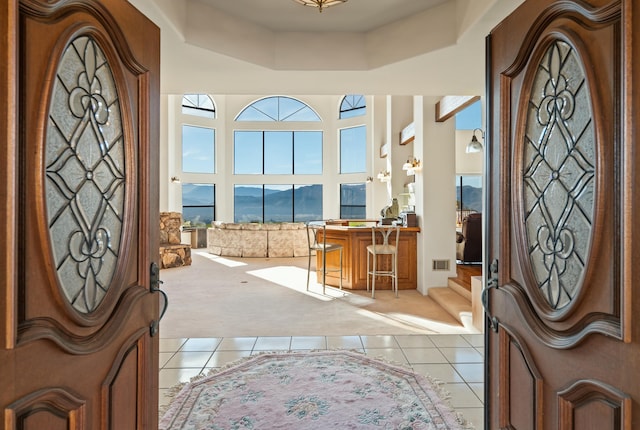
<point x="468" y="164"/>
<point x="435" y="193"/>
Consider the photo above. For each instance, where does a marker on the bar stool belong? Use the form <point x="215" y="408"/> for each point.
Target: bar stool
<point x="383" y="248"/>
<point x="316" y="230"/>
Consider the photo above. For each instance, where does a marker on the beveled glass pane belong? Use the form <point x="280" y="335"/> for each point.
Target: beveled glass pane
<point x="85" y="176"/>
<point x="559" y="175"/>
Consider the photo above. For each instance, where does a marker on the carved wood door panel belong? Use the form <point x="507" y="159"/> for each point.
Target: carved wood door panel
<point x="562" y="343"/>
<point x="80" y="92"/>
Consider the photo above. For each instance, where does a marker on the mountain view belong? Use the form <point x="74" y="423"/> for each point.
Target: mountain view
<point x="300" y="204"/>
<point x="471" y="197"/>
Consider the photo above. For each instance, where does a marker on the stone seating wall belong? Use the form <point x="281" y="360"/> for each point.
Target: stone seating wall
<point x="172" y="252"/>
<point x="258" y="240"/>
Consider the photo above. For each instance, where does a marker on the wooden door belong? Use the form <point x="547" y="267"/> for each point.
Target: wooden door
<point x="79" y="191"/>
<point x="563" y="347"/>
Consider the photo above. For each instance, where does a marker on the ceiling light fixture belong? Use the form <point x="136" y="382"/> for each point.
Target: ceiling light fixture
<point x="320" y="4"/>
<point x="475" y="145"/>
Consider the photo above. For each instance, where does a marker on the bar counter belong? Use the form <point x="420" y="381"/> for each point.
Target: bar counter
<point x="354" y="265"/>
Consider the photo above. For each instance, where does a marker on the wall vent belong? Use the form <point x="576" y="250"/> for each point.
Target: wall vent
<point x="440" y="264"/>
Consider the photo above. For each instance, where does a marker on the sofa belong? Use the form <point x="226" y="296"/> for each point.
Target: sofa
<point x="257" y="239"/>
<point x="469" y="241"/>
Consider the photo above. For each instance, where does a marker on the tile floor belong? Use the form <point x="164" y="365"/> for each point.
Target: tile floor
<point x="456" y="360"/>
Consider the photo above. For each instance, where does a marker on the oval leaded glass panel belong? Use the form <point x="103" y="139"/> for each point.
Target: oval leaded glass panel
<point x="559" y="174"/>
<point x="85" y="178"/>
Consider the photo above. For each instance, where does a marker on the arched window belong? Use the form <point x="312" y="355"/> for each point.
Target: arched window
<point x="287" y="153"/>
<point x="353" y="105"/>
<point x="278" y="108"/>
<point x="198" y="105"/>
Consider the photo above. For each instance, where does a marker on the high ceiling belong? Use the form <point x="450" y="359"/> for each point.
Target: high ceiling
<point x="397" y="47"/>
<point x="353" y="16"/>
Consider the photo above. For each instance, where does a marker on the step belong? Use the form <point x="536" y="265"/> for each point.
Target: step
<point x="460" y="288"/>
<point x="454" y="303"/>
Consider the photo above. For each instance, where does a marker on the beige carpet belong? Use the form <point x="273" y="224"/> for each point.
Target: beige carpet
<point x="230" y="297"/>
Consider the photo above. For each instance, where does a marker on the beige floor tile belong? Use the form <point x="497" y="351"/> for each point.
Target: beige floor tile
<point x="272" y="343"/>
<point x="414" y="341"/>
<point x="478" y="389"/>
<point x="462" y="396"/>
<point x="392" y="355"/>
<point x="474" y="416"/>
<point x="462" y="355"/>
<point x="164" y="357"/>
<point x="195" y="359"/>
<point x="476" y="340"/>
<point x="379" y="342"/>
<point x="237" y="344"/>
<point x="170" y="377"/>
<point x="201" y="344"/>
<point x="424" y="355"/>
<point x="449" y="340"/>
<point x="470" y="372"/>
<point x="222" y="358"/>
<point x="308" y="342"/>
<point x="171" y="344"/>
<point x="344" y="342"/>
<point x="440" y="372"/>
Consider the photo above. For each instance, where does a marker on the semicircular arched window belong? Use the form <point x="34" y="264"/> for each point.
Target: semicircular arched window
<point x="198" y="105"/>
<point x="353" y="105"/>
<point x="278" y="108"/>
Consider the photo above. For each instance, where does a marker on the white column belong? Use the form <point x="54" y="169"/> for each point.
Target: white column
<point x="434" y="145"/>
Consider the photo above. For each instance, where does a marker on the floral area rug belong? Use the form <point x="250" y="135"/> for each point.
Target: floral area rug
<point x="311" y="390"/>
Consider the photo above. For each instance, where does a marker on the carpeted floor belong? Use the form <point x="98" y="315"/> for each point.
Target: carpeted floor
<point x="312" y="390"/>
<point x="226" y="297"/>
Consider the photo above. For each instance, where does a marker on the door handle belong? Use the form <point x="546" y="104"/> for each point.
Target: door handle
<point x="154" y="287"/>
<point x="492" y="282"/>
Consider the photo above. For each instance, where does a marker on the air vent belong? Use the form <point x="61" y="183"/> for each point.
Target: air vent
<point x="440" y="264"/>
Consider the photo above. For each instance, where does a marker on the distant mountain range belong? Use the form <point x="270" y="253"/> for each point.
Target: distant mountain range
<point x="301" y="204"/>
<point x="471" y="197"/>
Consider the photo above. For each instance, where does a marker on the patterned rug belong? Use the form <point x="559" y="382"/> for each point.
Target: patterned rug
<point x="311" y="390"/>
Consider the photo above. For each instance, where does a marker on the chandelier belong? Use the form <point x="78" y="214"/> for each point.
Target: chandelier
<point x="320" y="4"/>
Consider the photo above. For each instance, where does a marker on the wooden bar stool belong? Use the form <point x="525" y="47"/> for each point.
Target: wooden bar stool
<point x="316" y="230"/>
<point x="383" y="248"/>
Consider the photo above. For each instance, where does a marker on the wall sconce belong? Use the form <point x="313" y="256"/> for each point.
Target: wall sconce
<point x="175" y="179"/>
<point x="475" y="146"/>
<point x="411" y="166"/>
<point x="384" y="176"/>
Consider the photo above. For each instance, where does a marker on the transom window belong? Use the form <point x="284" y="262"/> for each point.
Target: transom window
<point x="278" y="108"/>
<point x="198" y="105"/>
<point x="353" y="105"/>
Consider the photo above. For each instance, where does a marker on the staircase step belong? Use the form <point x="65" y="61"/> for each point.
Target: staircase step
<point x="455" y="304"/>
<point x="460" y="288"/>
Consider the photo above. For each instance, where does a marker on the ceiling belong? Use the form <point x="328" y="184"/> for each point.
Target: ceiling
<point x="353" y="16"/>
<point x="396" y="47"/>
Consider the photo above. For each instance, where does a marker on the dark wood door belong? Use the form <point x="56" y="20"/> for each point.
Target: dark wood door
<point x="79" y="191"/>
<point x="562" y="345"/>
